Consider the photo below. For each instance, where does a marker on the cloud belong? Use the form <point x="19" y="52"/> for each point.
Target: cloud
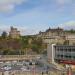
<point x="6" y="28"/>
<point x="24" y="30"/>
<point x="62" y="2"/>
<point x="68" y="25"/>
<point x="7" y="6"/>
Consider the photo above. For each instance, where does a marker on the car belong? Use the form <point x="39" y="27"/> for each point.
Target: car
<point x="24" y="68"/>
<point x="27" y="63"/>
<point x="6" y="68"/>
<point x="38" y="57"/>
<point x="14" y="61"/>
<point x="8" y="62"/>
<point x="20" y="63"/>
<point x="1" y="62"/>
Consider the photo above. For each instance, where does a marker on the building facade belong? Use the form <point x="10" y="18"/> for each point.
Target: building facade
<point x="52" y="36"/>
<point x="71" y="38"/>
<point x="51" y="53"/>
<point x="58" y="36"/>
<point x="65" y="54"/>
<point x="51" y="32"/>
<point x="61" y="53"/>
<point x="14" y="33"/>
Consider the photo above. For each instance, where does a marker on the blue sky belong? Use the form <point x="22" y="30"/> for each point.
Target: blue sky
<point x="31" y="16"/>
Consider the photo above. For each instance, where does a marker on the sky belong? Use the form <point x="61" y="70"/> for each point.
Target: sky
<point x="32" y="16"/>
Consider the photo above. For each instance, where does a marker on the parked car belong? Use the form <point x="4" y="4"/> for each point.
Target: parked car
<point x="6" y="68"/>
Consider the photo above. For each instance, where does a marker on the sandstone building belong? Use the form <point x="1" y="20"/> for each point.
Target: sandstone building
<point x="14" y="33"/>
<point x="57" y="35"/>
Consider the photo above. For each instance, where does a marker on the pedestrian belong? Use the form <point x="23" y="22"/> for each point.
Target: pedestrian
<point x="46" y="72"/>
<point x="2" y="73"/>
<point x="42" y="73"/>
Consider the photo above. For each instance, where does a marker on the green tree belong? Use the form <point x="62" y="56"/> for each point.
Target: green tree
<point x="4" y="34"/>
<point x="37" y="45"/>
<point x="66" y="42"/>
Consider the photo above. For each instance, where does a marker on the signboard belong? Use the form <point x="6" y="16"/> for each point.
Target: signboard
<point x="67" y="62"/>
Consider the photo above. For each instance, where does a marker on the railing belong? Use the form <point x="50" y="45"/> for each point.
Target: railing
<point x="17" y="72"/>
<point x="18" y="57"/>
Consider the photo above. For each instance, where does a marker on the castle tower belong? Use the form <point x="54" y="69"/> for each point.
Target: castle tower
<point x="14" y="33"/>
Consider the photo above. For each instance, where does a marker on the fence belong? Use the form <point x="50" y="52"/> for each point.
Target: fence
<point x="17" y="57"/>
<point x="19" y="72"/>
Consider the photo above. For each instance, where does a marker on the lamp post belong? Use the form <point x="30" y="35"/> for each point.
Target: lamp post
<point x="33" y="69"/>
<point x="69" y="70"/>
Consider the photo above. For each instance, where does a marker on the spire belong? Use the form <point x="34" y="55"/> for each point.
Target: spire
<point x="49" y="28"/>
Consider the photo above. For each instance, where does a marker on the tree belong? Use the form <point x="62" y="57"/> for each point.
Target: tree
<point x="37" y="45"/>
<point x="66" y="42"/>
<point x="4" y="34"/>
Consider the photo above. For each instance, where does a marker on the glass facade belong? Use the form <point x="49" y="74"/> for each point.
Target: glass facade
<point x="64" y="52"/>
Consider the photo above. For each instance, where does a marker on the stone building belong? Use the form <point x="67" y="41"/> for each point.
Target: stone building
<point x="58" y="36"/>
<point x="51" y="32"/>
<point x="14" y="33"/>
<point x="71" y="39"/>
<point x="53" y="36"/>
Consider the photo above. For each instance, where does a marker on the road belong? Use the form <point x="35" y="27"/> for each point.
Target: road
<point x="41" y="66"/>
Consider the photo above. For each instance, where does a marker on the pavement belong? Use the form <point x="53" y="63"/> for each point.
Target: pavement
<point x="43" y="66"/>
